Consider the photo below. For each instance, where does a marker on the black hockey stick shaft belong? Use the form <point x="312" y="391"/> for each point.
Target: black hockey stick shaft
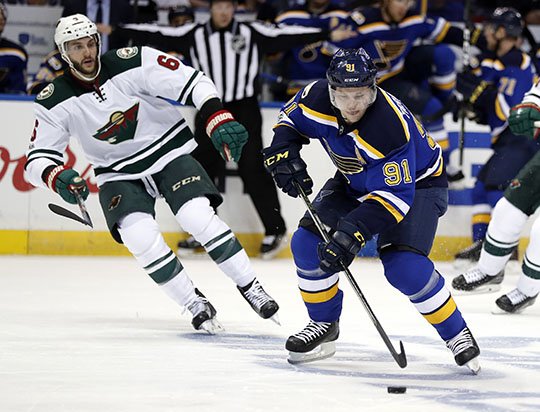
<point x="84" y="211"/>
<point x="466" y="49"/>
<point x="400" y="358"/>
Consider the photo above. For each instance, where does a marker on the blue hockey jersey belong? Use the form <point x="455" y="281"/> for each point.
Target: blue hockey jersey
<point x="389" y="44"/>
<point x="13" y="61"/>
<point x="512" y="75"/>
<point x="385" y="156"/>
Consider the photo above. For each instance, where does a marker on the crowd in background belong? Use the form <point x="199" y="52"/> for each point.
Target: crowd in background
<point x="277" y="71"/>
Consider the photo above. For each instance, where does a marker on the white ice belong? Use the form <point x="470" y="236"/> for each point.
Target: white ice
<point x="96" y="335"/>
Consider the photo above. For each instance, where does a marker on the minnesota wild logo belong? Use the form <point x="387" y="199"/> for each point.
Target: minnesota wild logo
<point x="121" y="126"/>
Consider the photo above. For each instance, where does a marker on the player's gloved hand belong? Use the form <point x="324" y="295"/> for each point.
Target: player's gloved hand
<point x="345" y="244"/>
<point x="522" y="119"/>
<point x="66" y="182"/>
<point x="477" y="95"/>
<point x="287" y="167"/>
<point x="228" y="136"/>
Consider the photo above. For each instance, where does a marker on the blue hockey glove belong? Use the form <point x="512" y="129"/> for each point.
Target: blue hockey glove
<point x="286" y="167"/>
<point x="66" y="182"/>
<point x="227" y="135"/>
<point x="345" y="244"/>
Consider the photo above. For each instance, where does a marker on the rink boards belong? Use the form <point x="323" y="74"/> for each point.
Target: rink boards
<point x="28" y="227"/>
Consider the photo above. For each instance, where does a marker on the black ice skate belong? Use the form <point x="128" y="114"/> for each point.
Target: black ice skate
<point x="260" y="301"/>
<point x="465" y="350"/>
<point x="315" y="342"/>
<point x="204" y="315"/>
<point x="515" y="301"/>
<point x="189" y="247"/>
<point x="476" y="281"/>
<point x="471" y="252"/>
<point x="272" y="245"/>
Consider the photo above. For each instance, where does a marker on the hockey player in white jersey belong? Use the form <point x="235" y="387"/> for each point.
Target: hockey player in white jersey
<point x="139" y="146"/>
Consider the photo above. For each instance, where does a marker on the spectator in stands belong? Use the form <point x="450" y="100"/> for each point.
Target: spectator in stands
<point x="13" y="60"/>
<point x="105" y="16"/>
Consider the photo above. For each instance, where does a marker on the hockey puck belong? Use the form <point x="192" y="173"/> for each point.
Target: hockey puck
<point x="397" y="389"/>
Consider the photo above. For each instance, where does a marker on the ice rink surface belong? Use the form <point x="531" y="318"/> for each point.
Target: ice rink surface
<point x="96" y="335"/>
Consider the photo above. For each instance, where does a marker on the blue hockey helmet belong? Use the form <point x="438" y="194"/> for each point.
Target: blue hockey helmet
<point x="351" y="68"/>
<point x="508" y="18"/>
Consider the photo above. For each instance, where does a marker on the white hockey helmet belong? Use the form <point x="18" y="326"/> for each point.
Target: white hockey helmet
<point x="76" y="26"/>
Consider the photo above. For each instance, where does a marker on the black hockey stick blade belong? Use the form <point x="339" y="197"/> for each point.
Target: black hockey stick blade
<point x="59" y="210"/>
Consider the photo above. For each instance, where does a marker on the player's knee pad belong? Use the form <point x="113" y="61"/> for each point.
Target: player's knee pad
<point x="507" y="221"/>
<point x="198" y="218"/>
<point x="407" y="271"/>
<point x="304" y="249"/>
<point x="140" y="234"/>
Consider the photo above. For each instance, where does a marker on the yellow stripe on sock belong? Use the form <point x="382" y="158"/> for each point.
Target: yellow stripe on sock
<point x="443" y="313"/>
<point x="319" y="297"/>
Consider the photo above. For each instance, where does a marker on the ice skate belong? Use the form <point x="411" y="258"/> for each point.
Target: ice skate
<point x="204" y="315"/>
<point x="475" y="281"/>
<point x="514" y="301"/>
<point x="260" y="301"/>
<point x="315" y="342"/>
<point x="190" y="248"/>
<point x="465" y="350"/>
<point x="272" y="245"/>
<point x="468" y="256"/>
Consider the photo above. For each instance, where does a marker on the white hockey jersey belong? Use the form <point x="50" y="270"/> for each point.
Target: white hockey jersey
<point x="124" y="125"/>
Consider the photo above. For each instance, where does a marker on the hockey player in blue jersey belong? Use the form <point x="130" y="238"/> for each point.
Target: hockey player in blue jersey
<point x="389" y="181"/>
<point x="499" y="82"/>
<point x="13" y="61"/>
<point x="388" y="33"/>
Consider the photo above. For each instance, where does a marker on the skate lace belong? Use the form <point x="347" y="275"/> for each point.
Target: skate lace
<point x="268" y="240"/>
<point x="197" y="306"/>
<point x="472" y="247"/>
<point x="312" y="331"/>
<point x="516" y="296"/>
<point x="256" y="295"/>
<point x="462" y="341"/>
<point x="474" y="275"/>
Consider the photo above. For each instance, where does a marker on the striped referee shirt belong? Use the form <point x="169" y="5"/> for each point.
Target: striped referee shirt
<point x="230" y="56"/>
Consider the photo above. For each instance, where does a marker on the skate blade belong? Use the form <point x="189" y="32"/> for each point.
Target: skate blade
<point x="478" y="291"/>
<point x="273" y="253"/>
<point x="212" y="326"/>
<point x="275" y="318"/>
<point x="474" y="366"/>
<point x="323" y="351"/>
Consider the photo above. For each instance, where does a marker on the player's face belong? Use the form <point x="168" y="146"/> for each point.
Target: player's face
<point x="397" y="9"/>
<point x="492" y="35"/>
<point x="353" y="102"/>
<point x="221" y="13"/>
<point x="178" y="21"/>
<point x="83" y="53"/>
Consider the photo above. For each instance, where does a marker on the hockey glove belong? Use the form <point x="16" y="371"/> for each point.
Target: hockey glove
<point x="345" y="244"/>
<point x="66" y="182"/>
<point x="286" y="167"/>
<point x="523" y="118"/>
<point x="478" y="96"/>
<point x="228" y="136"/>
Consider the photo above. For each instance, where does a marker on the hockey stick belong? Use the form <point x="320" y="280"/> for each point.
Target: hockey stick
<point x="85" y="219"/>
<point x="466" y="63"/>
<point x="400" y="358"/>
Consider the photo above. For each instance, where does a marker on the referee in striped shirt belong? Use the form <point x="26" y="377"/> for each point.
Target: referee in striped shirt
<point x="230" y="53"/>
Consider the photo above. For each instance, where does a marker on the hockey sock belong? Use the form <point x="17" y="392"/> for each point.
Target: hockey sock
<point x="481" y="211"/>
<point x="140" y="233"/>
<point x="199" y="219"/>
<point x="319" y="290"/>
<point x="443" y="82"/>
<point x="502" y="237"/>
<point x="415" y="276"/>
<point x="529" y="281"/>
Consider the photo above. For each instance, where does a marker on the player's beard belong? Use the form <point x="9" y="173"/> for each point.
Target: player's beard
<point x="86" y="72"/>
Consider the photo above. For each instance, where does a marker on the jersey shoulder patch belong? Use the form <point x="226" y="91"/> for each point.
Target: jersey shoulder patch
<point x="55" y="93"/>
<point x="118" y="61"/>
